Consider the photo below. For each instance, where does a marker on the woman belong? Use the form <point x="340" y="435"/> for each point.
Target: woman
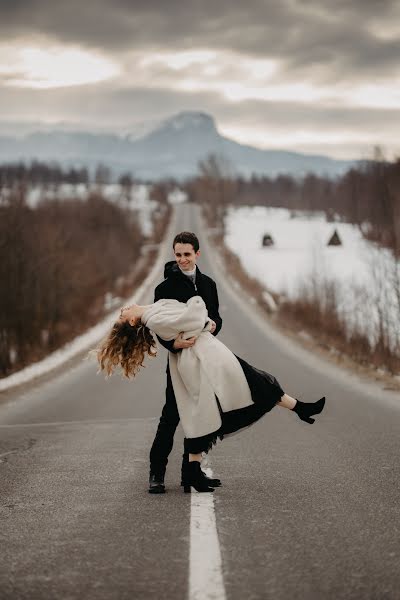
<point x="217" y="393"/>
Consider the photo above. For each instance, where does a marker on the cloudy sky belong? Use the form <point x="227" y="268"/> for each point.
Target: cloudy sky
<point x="312" y="76"/>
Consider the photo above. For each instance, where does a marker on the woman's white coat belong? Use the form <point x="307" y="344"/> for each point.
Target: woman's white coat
<point x="201" y="373"/>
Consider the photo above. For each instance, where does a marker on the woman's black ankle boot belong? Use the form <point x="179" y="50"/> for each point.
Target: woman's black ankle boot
<point x="195" y="478"/>
<point x="305" y="410"/>
<point x="211" y="481"/>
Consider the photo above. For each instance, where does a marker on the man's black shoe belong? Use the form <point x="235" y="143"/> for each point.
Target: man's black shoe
<point x="156" y="484"/>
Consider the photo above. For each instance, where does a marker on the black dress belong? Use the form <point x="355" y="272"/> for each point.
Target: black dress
<point x="265" y="392"/>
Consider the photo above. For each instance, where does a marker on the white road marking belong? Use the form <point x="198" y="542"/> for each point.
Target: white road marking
<point x="205" y="566"/>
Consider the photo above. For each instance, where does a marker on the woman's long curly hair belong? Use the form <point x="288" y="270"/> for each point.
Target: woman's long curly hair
<point x="126" y="346"/>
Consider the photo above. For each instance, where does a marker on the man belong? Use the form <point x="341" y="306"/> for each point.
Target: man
<point x="183" y="280"/>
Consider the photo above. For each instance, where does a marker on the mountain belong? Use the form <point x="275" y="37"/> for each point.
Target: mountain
<point x="168" y="148"/>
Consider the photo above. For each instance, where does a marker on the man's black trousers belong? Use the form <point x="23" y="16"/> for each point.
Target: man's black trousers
<point x="164" y="439"/>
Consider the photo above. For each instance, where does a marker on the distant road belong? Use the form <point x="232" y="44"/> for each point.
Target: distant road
<point x="305" y="512"/>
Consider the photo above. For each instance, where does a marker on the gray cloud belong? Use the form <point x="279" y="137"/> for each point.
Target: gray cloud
<point x="101" y="104"/>
<point x="329" y="39"/>
<point x="323" y="42"/>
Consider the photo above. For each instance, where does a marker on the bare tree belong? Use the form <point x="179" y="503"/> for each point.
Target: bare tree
<point x="216" y="187"/>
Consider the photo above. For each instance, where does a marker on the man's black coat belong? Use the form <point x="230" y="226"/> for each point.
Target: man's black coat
<point x="178" y="286"/>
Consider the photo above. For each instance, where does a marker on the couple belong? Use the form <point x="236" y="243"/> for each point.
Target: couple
<point x="212" y="391"/>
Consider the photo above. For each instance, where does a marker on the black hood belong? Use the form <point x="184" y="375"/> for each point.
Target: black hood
<point x="170" y="267"/>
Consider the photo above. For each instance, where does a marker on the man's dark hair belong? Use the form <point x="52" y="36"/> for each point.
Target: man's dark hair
<point x="186" y="237"/>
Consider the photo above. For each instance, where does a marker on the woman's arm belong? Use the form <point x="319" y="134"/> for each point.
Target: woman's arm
<point x="168" y="318"/>
<point x="168" y="344"/>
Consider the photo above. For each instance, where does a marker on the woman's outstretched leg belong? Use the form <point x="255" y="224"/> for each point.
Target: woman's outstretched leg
<point x="287" y="402"/>
<point x="197" y="457"/>
<point x="304" y="410"/>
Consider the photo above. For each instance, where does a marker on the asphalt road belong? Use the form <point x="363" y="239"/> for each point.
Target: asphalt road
<point x="305" y="511"/>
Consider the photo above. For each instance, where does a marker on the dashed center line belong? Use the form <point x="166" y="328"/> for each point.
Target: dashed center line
<point x="206" y="581"/>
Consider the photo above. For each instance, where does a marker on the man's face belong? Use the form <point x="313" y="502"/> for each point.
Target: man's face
<point x="185" y="256"/>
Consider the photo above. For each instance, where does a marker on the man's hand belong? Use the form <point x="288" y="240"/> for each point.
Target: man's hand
<point x="213" y="326"/>
<point x="180" y="343"/>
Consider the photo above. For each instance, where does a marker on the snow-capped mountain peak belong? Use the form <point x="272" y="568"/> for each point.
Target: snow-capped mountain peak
<point x="170" y="147"/>
<point x="191" y="120"/>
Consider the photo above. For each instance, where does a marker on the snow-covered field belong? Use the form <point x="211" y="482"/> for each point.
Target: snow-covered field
<point x="367" y="278"/>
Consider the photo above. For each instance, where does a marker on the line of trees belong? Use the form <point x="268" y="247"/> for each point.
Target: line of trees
<point x="17" y="174"/>
<point x="367" y="195"/>
<point x="57" y="261"/>
<point x="40" y="173"/>
<point x="215" y="188"/>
